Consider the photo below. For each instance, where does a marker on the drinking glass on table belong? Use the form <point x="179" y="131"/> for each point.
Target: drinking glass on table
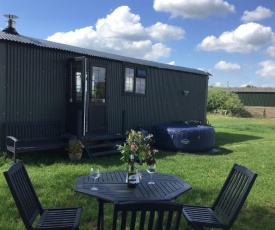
<point x="94" y="173"/>
<point x="151" y="169"/>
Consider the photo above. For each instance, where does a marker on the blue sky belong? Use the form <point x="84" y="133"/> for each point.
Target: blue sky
<point x="233" y="40"/>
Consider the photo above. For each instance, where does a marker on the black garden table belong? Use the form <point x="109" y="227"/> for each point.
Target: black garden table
<point x="113" y="187"/>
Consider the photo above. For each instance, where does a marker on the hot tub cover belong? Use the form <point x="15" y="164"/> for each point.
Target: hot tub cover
<point x="185" y="138"/>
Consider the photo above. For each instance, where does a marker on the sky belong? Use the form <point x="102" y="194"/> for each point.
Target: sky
<point x="233" y="40"/>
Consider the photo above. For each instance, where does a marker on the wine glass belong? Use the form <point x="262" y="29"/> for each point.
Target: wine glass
<point x="94" y="173"/>
<point x="151" y="169"/>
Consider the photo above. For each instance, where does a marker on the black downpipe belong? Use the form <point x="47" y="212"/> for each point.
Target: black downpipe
<point x="79" y="124"/>
<point x="123" y="123"/>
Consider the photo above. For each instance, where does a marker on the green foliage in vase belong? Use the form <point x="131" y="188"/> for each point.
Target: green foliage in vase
<point x="139" y="145"/>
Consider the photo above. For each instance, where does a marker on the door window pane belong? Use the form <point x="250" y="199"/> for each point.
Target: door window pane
<point x="98" y="84"/>
<point x="78" y="86"/>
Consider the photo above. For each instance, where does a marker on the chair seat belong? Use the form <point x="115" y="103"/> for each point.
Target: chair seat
<point x="63" y="218"/>
<point x="201" y="216"/>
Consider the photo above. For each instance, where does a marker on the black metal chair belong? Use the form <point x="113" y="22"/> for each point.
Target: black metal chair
<point x="227" y="205"/>
<point x="30" y="207"/>
<point x="147" y="215"/>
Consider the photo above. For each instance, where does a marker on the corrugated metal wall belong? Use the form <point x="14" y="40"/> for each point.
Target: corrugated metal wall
<point x="257" y="99"/>
<point x="36" y="80"/>
<point x="164" y="101"/>
<point x="2" y="91"/>
<point x="33" y="88"/>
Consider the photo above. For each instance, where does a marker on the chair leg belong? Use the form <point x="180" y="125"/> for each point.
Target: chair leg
<point x="194" y="227"/>
<point x="15" y="151"/>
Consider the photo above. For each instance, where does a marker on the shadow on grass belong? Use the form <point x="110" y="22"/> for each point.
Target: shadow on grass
<point x="214" y="152"/>
<point x="47" y="158"/>
<point x="223" y="138"/>
<point x="53" y="156"/>
<point x="41" y="157"/>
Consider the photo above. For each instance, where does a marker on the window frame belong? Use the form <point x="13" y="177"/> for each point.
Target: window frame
<point x="92" y="90"/>
<point x="139" y="73"/>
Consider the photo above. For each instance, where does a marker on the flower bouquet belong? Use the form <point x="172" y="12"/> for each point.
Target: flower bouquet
<point x="138" y="144"/>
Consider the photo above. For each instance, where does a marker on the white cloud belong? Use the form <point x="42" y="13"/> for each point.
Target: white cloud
<point x="121" y="32"/>
<point x="205" y="70"/>
<point x="78" y="37"/>
<point x="270" y="51"/>
<point x="267" y="70"/>
<point x="156" y="51"/>
<point x="193" y="8"/>
<point x="172" y="63"/>
<point x="246" y="84"/>
<point x="258" y="14"/>
<point x="222" y="65"/>
<point x="162" y="32"/>
<point x="217" y="84"/>
<point x="245" y="39"/>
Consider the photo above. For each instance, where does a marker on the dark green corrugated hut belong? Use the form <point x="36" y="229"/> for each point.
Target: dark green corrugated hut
<point x="40" y="81"/>
<point x="256" y="96"/>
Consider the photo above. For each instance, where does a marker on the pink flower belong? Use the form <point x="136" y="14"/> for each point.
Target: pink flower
<point x="132" y="146"/>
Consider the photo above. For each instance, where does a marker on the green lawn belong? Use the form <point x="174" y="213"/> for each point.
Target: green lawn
<point x="247" y="141"/>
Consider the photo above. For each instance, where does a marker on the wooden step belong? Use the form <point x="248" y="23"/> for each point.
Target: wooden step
<point x="100" y="145"/>
<point x="95" y="154"/>
<point x="101" y="148"/>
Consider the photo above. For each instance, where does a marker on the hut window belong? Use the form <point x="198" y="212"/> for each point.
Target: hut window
<point x="135" y="83"/>
<point x="129" y="80"/>
<point x="78" y="88"/>
<point x="140" y="85"/>
<point x="141" y="72"/>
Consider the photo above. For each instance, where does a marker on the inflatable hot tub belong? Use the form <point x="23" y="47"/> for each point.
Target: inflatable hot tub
<point x="184" y="138"/>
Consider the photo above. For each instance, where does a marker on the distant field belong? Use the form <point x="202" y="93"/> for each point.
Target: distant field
<point x="259" y="111"/>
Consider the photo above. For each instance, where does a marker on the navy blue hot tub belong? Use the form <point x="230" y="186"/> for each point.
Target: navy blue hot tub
<point x="185" y="138"/>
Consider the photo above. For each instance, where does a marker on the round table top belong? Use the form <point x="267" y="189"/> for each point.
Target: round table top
<point x="112" y="187"/>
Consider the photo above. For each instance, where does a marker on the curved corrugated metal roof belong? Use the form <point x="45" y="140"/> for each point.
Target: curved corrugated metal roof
<point x="252" y="90"/>
<point x="83" y="51"/>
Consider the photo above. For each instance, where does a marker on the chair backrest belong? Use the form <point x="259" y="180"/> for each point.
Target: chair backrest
<point x="23" y="193"/>
<point x="234" y="193"/>
<point x="147" y="215"/>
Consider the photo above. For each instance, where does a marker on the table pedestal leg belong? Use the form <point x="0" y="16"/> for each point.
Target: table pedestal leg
<point x="100" y="218"/>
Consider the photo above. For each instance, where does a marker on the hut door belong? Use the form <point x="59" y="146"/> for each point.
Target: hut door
<point x="77" y="113"/>
<point x="97" y="99"/>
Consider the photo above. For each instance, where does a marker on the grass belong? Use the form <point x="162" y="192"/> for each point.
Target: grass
<point x="246" y="141"/>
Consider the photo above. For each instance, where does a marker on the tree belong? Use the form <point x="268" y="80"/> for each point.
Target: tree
<point x="250" y="86"/>
<point x="222" y="99"/>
